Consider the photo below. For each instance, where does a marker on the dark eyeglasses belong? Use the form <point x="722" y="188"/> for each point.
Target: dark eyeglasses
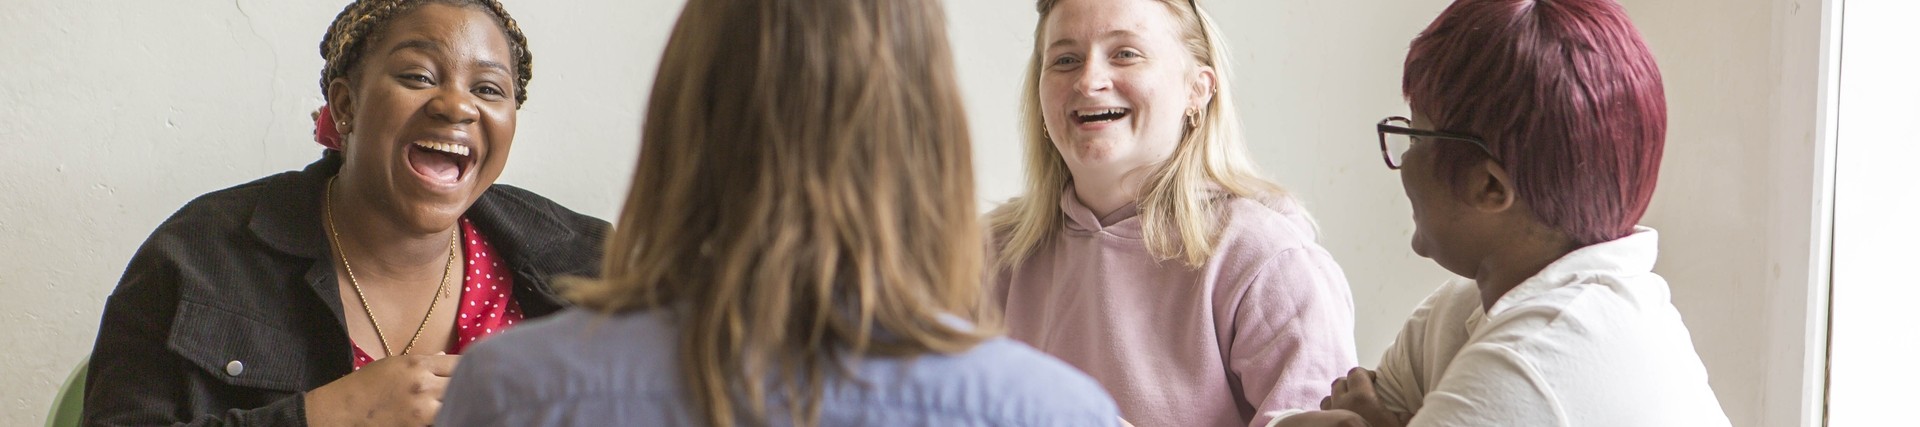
<point x="1397" y="136"/>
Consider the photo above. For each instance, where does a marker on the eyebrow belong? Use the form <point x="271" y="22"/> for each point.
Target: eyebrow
<point x="494" y="65"/>
<point x="1109" y="34"/>
<point x="432" y="46"/>
<point x="420" y="44"/>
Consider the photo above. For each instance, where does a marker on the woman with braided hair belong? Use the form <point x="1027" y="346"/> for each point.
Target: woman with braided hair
<point x="341" y="294"/>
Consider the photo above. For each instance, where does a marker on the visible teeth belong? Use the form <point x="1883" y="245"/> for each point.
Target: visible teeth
<point x="450" y="148"/>
<point x="1101" y="112"/>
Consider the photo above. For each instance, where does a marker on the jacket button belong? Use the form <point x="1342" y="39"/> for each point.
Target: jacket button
<point x="234" y="368"/>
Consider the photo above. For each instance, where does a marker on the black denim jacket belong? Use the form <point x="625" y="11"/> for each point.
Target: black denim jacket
<point x="230" y="313"/>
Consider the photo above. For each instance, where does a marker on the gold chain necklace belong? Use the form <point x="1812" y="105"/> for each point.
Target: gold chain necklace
<point x="334" y="232"/>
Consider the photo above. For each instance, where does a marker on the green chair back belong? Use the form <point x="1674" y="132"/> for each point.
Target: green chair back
<point x="66" y="405"/>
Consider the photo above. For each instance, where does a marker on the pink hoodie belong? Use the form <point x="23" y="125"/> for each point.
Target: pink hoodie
<point x="1266" y="325"/>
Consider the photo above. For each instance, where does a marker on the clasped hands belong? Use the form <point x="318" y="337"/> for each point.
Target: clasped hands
<point x="1354" y="402"/>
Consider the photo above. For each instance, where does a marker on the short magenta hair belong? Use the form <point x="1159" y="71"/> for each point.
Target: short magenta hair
<point x="1567" y="97"/>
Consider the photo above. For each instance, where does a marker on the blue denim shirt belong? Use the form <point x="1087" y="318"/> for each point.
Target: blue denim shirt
<point x="579" y="368"/>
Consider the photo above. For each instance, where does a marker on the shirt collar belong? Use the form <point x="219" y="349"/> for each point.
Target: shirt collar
<point x="1633" y="254"/>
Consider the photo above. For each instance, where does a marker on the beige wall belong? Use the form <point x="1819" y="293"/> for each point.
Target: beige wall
<point x="113" y="114"/>
<point x="1745" y="202"/>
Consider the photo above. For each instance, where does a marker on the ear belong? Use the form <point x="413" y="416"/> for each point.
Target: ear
<point x="340" y="105"/>
<point x="1490" y="188"/>
<point x="1205" y="79"/>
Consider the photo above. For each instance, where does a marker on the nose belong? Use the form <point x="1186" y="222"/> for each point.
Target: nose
<point x="453" y="105"/>
<point x="1095" y="77"/>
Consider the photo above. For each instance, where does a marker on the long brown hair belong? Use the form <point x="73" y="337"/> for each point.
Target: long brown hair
<point x="804" y="197"/>
<point x="1177" y="215"/>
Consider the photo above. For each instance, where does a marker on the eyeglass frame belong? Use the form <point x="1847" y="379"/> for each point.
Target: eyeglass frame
<point x="1384" y="128"/>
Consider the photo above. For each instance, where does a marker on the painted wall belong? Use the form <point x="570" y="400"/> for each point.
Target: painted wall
<point x="113" y="114"/>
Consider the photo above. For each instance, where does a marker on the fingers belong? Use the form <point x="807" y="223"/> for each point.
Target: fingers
<point x="430" y="387"/>
<point x="399" y="390"/>
<point x="424" y="412"/>
<point x="1351" y="419"/>
<point x="1326" y="403"/>
<point x="1339" y="386"/>
<point x="440" y="365"/>
<point x="1360" y="381"/>
<point x="1329" y="418"/>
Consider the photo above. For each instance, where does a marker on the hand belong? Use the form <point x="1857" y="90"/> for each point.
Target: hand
<point x="1332" y="418"/>
<point x="399" y="390"/>
<point x="1355" y="393"/>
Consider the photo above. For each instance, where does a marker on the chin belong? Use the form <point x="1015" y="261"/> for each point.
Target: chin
<point x="1093" y="152"/>
<point x="429" y="218"/>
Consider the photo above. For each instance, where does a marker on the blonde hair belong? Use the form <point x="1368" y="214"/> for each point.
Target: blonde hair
<point x="802" y="199"/>
<point x="1177" y="206"/>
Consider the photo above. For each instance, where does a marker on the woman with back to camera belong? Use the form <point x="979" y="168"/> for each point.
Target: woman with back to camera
<point x="340" y="294"/>
<point x="792" y="250"/>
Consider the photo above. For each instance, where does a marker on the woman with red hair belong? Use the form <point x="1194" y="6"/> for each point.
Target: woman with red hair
<point x="1532" y="151"/>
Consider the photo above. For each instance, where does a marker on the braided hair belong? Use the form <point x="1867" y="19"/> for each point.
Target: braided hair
<point x="361" y="22"/>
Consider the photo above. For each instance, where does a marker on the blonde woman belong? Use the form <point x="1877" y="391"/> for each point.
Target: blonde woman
<point x="1146" y="252"/>
<point x="787" y="251"/>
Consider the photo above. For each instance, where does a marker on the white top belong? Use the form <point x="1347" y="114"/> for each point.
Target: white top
<point x="1592" y="340"/>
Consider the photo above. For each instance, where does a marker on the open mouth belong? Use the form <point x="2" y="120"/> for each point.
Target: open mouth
<point x="440" y="162"/>
<point x="1100" y="115"/>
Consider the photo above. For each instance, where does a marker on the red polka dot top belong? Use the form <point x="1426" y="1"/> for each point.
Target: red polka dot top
<point x="486" y="296"/>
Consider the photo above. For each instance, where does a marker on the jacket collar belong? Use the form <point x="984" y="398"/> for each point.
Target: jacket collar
<point x="531" y="236"/>
<point x="288" y="219"/>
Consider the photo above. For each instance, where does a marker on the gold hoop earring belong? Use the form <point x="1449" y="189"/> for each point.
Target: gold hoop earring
<point x="1193" y="118"/>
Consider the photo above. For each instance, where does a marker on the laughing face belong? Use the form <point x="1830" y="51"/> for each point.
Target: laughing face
<point x="431" y="110"/>
<point x="1116" y="81"/>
